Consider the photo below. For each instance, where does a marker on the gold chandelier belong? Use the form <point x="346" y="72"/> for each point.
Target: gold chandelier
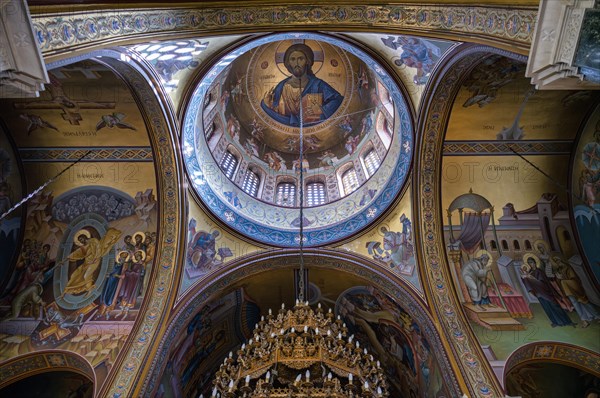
<point x="300" y="353"/>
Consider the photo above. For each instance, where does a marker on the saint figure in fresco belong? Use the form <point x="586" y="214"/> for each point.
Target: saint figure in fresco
<point x="202" y="250"/>
<point x="132" y="276"/>
<point x="573" y="289"/>
<point x="474" y="274"/>
<point x="90" y="250"/>
<point x="113" y="283"/>
<point x="319" y="99"/>
<point x="536" y="282"/>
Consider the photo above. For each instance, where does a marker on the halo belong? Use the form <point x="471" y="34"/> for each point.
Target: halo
<point x="143" y="254"/>
<point x="84" y="232"/>
<point x="118" y="255"/>
<point x="400" y="67"/>
<point x="383" y="230"/>
<point x="543" y="243"/>
<point x="527" y="256"/>
<point x="481" y="252"/>
<point x="313" y="44"/>
<point x="139" y="233"/>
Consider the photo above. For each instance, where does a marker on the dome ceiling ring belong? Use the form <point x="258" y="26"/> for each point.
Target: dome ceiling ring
<point x="277" y="225"/>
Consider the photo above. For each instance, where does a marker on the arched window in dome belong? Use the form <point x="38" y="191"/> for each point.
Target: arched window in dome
<point x="350" y="181"/>
<point x="371" y="161"/>
<point x="315" y="194"/>
<point x="251" y="183"/>
<point x="286" y="194"/>
<point x="384" y="127"/>
<point x="228" y="164"/>
<point x="527" y="244"/>
<point x="385" y="97"/>
<point x="213" y="131"/>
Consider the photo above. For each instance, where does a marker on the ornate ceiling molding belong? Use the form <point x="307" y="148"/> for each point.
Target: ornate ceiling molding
<point x="59" y="32"/>
<point x="555" y="352"/>
<point x="261" y="262"/>
<point x="437" y="280"/>
<point x="38" y="362"/>
<point x="22" y="69"/>
<point x="563" y="55"/>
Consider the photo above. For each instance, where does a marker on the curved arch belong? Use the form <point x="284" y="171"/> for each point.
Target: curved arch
<point x="319" y="258"/>
<point x="440" y="291"/>
<point x="162" y="127"/>
<point x="35" y="363"/>
<point x="553" y="351"/>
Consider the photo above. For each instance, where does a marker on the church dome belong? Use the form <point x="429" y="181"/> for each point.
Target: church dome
<point x="242" y="129"/>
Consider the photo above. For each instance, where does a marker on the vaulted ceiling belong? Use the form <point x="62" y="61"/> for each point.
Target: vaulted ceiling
<point x="144" y="102"/>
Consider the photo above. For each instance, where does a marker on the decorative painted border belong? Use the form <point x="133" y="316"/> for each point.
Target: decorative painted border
<point x="56" y="32"/>
<point x="552" y="351"/>
<point x="100" y="154"/>
<point x="202" y="168"/>
<point x="437" y="280"/>
<point x="486" y="148"/>
<point x="37" y="362"/>
<point x="342" y="261"/>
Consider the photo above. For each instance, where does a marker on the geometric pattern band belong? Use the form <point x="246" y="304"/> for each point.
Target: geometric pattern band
<point x="460" y="148"/>
<point x="102" y="154"/>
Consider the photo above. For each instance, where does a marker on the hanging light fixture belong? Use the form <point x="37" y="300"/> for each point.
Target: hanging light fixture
<point x="300" y="353"/>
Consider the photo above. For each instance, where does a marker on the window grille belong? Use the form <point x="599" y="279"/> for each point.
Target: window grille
<point x="315" y="194"/>
<point x="228" y="164"/>
<point x="286" y="194"/>
<point x="372" y="162"/>
<point x="350" y="181"/>
<point x="251" y="183"/>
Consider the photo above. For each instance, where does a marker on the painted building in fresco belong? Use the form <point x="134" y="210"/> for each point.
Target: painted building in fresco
<point x="449" y="208"/>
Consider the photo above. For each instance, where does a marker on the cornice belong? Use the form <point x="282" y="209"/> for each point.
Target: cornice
<point x="80" y="28"/>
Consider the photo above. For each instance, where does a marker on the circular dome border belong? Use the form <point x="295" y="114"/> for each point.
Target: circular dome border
<point x="210" y="183"/>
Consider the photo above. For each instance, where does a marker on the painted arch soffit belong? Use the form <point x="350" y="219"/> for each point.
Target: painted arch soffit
<point x="439" y="289"/>
<point x="412" y="58"/>
<point x="121" y="380"/>
<point x="327" y="259"/>
<point x="391" y="243"/>
<point x="57" y="32"/>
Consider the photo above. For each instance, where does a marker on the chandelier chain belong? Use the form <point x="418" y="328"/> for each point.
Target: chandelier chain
<point x="301" y="234"/>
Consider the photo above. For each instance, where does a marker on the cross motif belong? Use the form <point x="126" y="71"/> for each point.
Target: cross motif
<point x="21" y="39"/>
<point x="371" y="212"/>
<point x="548" y="35"/>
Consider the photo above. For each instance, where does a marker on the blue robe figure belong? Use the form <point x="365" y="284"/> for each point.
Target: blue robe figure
<point x="329" y="103"/>
<point x="112" y="283"/>
<point x="303" y="89"/>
